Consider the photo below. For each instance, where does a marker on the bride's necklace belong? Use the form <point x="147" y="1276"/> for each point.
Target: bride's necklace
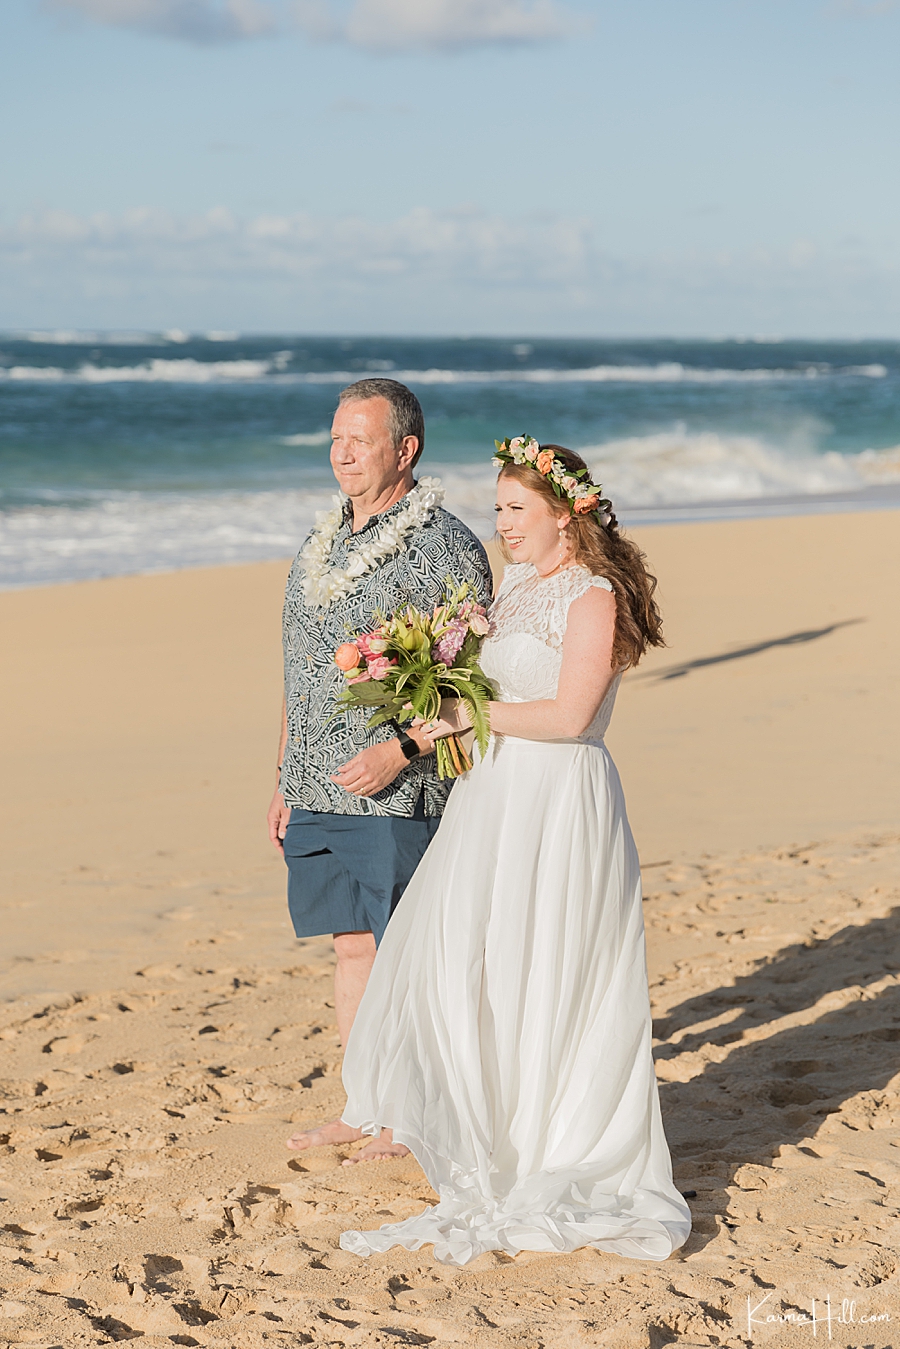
<point x="322" y="584"/>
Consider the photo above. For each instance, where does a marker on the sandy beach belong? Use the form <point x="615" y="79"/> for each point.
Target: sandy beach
<point x="161" y="1029"/>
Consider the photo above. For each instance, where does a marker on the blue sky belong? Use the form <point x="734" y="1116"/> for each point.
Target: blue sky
<point x="682" y="167"/>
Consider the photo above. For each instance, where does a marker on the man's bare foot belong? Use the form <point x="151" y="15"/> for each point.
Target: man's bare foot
<point x="381" y="1149"/>
<point x="335" y="1132"/>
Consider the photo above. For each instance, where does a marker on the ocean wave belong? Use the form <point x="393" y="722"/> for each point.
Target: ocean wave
<point x="157" y="371"/>
<point x="117" y="533"/>
<point x="307" y="438"/>
<point x="188" y="370"/>
<point x="133" y="532"/>
<point x="140" y="337"/>
<point x="677" y="468"/>
<point x="668" y="372"/>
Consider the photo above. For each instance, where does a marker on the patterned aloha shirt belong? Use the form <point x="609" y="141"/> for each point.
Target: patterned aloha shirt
<point x="321" y="738"/>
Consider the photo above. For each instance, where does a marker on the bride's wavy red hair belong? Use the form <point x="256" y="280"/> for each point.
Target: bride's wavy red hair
<point x="605" y="552"/>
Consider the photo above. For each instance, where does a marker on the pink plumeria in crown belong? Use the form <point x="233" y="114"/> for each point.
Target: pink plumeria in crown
<point x="573" y="484"/>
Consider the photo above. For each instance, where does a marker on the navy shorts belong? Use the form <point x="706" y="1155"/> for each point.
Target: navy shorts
<point x="346" y="873"/>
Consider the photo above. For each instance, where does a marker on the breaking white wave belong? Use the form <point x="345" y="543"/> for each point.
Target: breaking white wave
<point x="141" y="532"/>
<point x="307" y="438"/>
<point x="138" y="337"/>
<point x="71" y="337"/>
<point x="157" y="371"/>
<point x="187" y="370"/>
<point x="675" y="466"/>
<point x="679" y="468"/>
<point x="124" y="532"/>
<point x="669" y="372"/>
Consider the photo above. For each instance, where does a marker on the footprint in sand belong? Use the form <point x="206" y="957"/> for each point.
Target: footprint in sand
<point x="67" y="1044"/>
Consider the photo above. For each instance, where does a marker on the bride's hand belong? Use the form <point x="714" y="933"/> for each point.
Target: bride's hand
<point x="453" y="720"/>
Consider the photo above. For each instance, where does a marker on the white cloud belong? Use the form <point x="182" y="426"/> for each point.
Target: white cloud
<point x="395" y="25"/>
<point x="325" y="250"/>
<point x="374" y="25"/>
<point x="426" y="271"/>
<point x="199" y="21"/>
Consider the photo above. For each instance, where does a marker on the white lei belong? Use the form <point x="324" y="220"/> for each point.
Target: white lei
<point x="322" y="585"/>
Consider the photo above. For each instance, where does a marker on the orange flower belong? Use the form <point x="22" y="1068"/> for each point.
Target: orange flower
<point x="584" y="505"/>
<point x="544" y="462"/>
<point x="346" y="657"/>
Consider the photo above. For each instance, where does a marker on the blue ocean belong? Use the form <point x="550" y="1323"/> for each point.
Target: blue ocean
<point x="139" y="452"/>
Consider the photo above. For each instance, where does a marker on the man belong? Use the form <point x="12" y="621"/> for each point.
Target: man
<point x="354" y="809"/>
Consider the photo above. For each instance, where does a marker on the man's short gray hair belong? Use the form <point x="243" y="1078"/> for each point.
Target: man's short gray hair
<point x="407" y="417"/>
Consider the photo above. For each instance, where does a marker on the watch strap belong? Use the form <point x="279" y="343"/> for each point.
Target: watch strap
<point x="407" y="744"/>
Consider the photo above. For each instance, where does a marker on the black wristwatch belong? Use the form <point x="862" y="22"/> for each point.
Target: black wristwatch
<point x="407" y="744"/>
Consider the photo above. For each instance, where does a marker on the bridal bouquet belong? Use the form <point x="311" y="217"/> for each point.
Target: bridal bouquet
<point x="412" y="660"/>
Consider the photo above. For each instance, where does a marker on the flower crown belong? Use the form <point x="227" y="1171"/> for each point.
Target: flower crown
<point x="572" y="483"/>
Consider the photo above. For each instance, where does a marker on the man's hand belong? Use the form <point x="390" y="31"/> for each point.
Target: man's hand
<point x="372" y="769"/>
<point x="278" y="817"/>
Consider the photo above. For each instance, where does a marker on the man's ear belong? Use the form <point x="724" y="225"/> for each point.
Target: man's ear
<point x="409" y="448"/>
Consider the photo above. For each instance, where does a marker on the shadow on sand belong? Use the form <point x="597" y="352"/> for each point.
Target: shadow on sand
<point x="778" y="1090"/>
<point x="793" y="639"/>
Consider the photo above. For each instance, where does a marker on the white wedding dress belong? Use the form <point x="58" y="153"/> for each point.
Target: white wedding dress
<point x="504" y="1034"/>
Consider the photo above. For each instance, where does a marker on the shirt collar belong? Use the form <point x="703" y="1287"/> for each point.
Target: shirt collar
<point x="374" y="521"/>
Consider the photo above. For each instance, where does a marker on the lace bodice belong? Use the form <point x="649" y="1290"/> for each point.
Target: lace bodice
<point x="523" y="651"/>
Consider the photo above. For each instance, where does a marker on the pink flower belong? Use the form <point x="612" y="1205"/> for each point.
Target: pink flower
<point x="478" y="624"/>
<point x="378" y="666"/>
<point x="447" y="647"/>
<point x="360" y="678"/>
<point x="371" y="644"/>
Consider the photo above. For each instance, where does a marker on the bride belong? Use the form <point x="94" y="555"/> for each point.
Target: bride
<point x="504" y="1036"/>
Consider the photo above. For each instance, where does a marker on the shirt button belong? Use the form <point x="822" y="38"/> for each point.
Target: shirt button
<point x="296" y="740"/>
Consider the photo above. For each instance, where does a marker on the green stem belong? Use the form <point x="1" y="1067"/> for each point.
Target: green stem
<point x="452" y="760"/>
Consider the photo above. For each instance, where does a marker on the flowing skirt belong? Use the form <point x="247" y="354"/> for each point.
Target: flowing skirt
<point x="505" y="1034"/>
